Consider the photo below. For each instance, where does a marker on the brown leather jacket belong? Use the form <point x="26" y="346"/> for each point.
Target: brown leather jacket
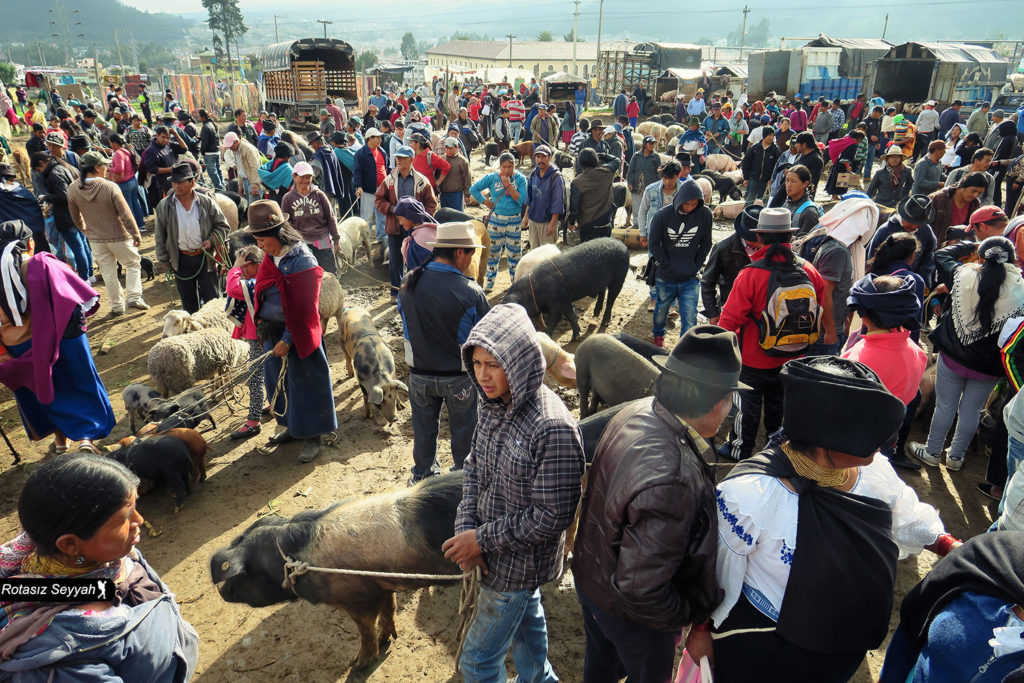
<point x="647" y="545"/>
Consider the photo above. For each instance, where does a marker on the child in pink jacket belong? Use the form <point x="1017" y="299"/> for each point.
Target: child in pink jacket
<point x="241" y="288"/>
<point x="889" y="309"/>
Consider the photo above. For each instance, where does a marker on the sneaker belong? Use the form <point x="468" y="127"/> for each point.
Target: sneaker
<point x="919" y="451"/>
<point x="139" y="304"/>
<point x="114" y="313"/>
<point x="659" y="342"/>
<point x="954" y="463"/>
<point x="92" y="279"/>
<point x="310" y="450"/>
<point x="724" y="450"/>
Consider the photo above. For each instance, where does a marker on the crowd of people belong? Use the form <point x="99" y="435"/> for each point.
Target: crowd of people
<point x="822" y="318"/>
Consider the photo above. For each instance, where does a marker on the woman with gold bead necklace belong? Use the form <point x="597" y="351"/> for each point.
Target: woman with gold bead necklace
<point x="810" y="531"/>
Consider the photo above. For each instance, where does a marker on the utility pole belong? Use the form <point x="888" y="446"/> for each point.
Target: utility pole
<point x="600" y="22"/>
<point x="277" y="36"/>
<point x="886" y="27"/>
<point x="510" y="37"/>
<point x="324" y="22"/>
<point x="41" y="60"/>
<point x="120" y="59"/>
<point x="96" y="67"/>
<point x="575" y="23"/>
<point x="743" y="31"/>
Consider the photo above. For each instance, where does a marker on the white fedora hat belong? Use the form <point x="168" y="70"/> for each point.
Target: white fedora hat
<point x="458" y="235"/>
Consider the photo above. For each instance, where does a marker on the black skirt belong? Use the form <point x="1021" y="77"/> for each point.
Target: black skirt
<point x="766" y="656"/>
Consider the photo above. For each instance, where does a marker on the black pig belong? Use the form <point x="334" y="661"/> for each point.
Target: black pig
<point x="591" y="268"/>
<point x="161" y="459"/>
<point x="400" y="531"/>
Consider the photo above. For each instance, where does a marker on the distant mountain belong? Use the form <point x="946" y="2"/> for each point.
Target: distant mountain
<point x="26" y="22"/>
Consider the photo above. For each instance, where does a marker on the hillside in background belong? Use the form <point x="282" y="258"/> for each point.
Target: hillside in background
<point x="26" y="22"/>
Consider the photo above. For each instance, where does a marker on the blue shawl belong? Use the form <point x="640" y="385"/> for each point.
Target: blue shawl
<point x="276" y="178"/>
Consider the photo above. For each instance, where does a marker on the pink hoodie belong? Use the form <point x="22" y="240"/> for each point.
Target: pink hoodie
<point x="899" y="362"/>
<point x="233" y="288"/>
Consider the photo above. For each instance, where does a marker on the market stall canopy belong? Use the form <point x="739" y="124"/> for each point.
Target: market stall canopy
<point x="563" y="77"/>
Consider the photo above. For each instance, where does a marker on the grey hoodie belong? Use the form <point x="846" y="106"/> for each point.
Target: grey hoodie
<point x="522" y="475"/>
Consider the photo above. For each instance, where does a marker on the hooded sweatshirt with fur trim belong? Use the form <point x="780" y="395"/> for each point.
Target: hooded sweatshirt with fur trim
<point x="680" y="242"/>
<point x="522" y="476"/>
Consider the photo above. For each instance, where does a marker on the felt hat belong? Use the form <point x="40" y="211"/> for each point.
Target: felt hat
<point x="746" y="222"/>
<point x="893" y="150"/>
<point x="774" y="219"/>
<point x="302" y="168"/>
<point x="684" y="159"/>
<point x="862" y="414"/>
<point x="457" y="235"/>
<point x="706" y="355"/>
<point x="693" y="121"/>
<point x="917" y="209"/>
<point x="338" y="138"/>
<point x="596" y="123"/>
<point x="181" y="172"/>
<point x="78" y="142"/>
<point x="265" y="215"/>
<point x="313" y="136"/>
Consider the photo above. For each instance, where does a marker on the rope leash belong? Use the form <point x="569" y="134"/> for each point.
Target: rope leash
<point x="240" y="372"/>
<point x="293" y="569"/>
<point x="280" y="389"/>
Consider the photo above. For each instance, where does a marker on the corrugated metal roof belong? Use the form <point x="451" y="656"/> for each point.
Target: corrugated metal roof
<point x="850" y="43"/>
<point x="737" y="70"/>
<point x="552" y="50"/>
<point x="562" y="77"/>
<point x="954" y="52"/>
<point x="279" y="55"/>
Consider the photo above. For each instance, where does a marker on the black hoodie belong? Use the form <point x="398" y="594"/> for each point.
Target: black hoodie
<point x="680" y="242"/>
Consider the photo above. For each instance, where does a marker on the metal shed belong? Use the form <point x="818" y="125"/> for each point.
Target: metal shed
<point x="918" y="71"/>
<point x="856" y="53"/>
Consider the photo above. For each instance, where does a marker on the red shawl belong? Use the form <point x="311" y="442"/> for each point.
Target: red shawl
<point x="300" y="299"/>
<point x="838" y="146"/>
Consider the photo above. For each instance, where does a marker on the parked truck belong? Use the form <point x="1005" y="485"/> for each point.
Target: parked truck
<point x="298" y="75"/>
<point x="810" y="71"/>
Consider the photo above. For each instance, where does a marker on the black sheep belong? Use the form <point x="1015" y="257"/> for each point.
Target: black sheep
<point x="591" y="268"/>
<point x="725" y="186"/>
<point x="593" y="426"/>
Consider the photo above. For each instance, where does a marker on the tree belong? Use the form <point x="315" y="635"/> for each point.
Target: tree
<point x="7" y="72"/>
<point x="568" y="37"/>
<point x="409" y="48"/>
<point x="544" y="36"/>
<point x="218" y="49"/>
<point x="224" y="16"/>
<point x="365" y="60"/>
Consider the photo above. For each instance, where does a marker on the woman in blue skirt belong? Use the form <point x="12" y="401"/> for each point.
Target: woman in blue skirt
<point x="46" y="360"/>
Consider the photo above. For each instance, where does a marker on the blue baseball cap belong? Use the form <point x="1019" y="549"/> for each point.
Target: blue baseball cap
<point x="405" y="151"/>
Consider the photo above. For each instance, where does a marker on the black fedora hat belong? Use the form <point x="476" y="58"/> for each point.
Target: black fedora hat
<point x="917" y="209"/>
<point x="182" y="171"/>
<point x="313" y="136"/>
<point x="707" y="355"/>
<point x="746" y="222"/>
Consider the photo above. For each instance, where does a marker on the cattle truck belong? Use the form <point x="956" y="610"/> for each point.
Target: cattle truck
<point x="298" y="75"/>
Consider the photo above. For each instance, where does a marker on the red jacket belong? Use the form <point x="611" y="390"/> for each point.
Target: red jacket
<point x="746" y="302"/>
<point x="427" y="162"/>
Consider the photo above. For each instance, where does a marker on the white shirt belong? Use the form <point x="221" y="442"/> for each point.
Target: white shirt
<point x="927" y="121"/>
<point x="190" y="236"/>
<point x="757" y="523"/>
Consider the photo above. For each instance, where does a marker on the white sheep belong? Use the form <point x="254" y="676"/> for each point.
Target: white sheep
<point x="177" y="363"/>
<point x="211" y="315"/>
<point x="332" y="303"/>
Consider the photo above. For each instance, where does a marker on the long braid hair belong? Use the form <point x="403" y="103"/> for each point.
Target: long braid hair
<point x="447" y="253"/>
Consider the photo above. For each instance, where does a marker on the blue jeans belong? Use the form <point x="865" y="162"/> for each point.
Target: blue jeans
<point x="396" y="266"/>
<point x="212" y="163"/>
<point x="820" y="348"/>
<point x="80" y="250"/>
<point x="755" y="189"/>
<point x="426" y="395"/>
<point x="686" y="293"/>
<point x="507" y="619"/>
<point x="516" y="128"/>
<point x="130" y="190"/>
<point x="872" y="150"/>
<point x="452" y="200"/>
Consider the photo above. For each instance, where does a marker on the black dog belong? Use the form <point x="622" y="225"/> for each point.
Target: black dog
<point x="593" y="268"/>
<point x="147" y="268"/>
<point x="162" y="460"/>
<point x="491" y="151"/>
<point x="726" y="188"/>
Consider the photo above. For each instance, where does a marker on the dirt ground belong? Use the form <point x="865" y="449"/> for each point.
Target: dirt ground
<point x="302" y="642"/>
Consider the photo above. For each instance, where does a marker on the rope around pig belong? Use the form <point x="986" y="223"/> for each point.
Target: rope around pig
<point x="468" y="603"/>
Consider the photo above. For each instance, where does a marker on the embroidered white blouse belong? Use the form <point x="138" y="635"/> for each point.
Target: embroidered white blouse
<point x="757" y="520"/>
